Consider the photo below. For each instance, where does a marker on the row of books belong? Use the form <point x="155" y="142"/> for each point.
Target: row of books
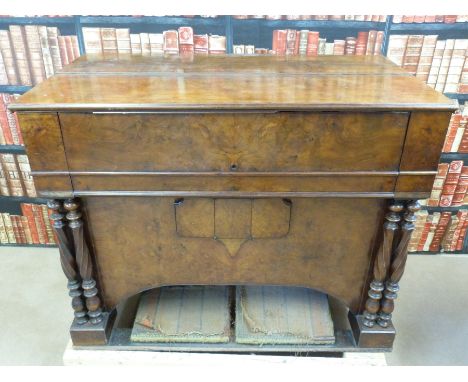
<point x="442" y="64"/>
<point x="375" y="18"/>
<point x="32" y="227"/>
<point x="249" y="49"/>
<point x="439" y="231"/>
<point x="457" y="133"/>
<point x="10" y="132"/>
<point x="450" y="185"/>
<point x="120" y="40"/>
<point x="447" y="19"/>
<point x="31" y="53"/>
<point x="309" y="43"/>
<point x="15" y="176"/>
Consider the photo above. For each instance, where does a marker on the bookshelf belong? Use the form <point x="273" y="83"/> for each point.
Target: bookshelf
<point x="256" y="31"/>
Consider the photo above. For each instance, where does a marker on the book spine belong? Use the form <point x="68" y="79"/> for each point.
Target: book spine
<point x="14" y="224"/>
<point x="450" y="184"/>
<point x="312" y="43"/>
<point x="3" y="232"/>
<point x="419" y="225"/>
<point x="20" y="53"/>
<point x="12" y="174"/>
<point x="440" y="231"/>
<point x="412" y="53"/>
<point x="378" y="43"/>
<point x="36" y="62"/>
<point x="9" y="228"/>
<point x="397" y="48"/>
<point x="123" y="40"/>
<point x="12" y="120"/>
<point x="430" y="235"/>
<point x="4" y="122"/>
<point x="439" y="180"/>
<point x="48" y="226"/>
<point x="435" y="65"/>
<point x="45" y="49"/>
<point x="145" y="44"/>
<point x="3" y="183"/>
<point x="26" y="209"/>
<point x="69" y="48"/>
<point x="455" y="68"/>
<point x="462" y="215"/>
<point x="462" y="236"/>
<point x="3" y="72"/>
<point x="449" y="234"/>
<point x="303" y="37"/>
<point x="372" y="37"/>
<point x="75" y="47"/>
<point x="63" y="50"/>
<point x="338" y="47"/>
<point x="444" y="65"/>
<point x="425" y="59"/>
<point x="25" y="171"/>
<point x="92" y="40"/>
<point x="290" y="42"/>
<point x="109" y="40"/>
<point x="459" y="135"/>
<point x="8" y="57"/>
<point x="52" y="37"/>
<point x="40" y="224"/>
<point x="26" y="229"/>
<point x="361" y="43"/>
<point x="451" y="132"/>
<point x="461" y="188"/>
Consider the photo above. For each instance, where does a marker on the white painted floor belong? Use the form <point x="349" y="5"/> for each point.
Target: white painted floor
<point x="431" y="314"/>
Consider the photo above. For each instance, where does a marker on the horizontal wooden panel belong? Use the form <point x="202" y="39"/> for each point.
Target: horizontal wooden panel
<point x="283" y="141"/>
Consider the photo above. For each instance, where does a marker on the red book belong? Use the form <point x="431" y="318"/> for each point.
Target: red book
<point x="361" y="43"/>
<point x="450" y="19"/>
<point x="63" y="50"/>
<point x="461" y="238"/>
<point x="281" y="42"/>
<point x="407" y="19"/>
<point x="4" y="123"/>
<point x="312" y="44"/>
<point x="439" y="180"/>
<point x="27" y="211"/>
<point x="40" y="224"/>
<point x="450" y="184"/>
<point x="462" y="215"/>
<point x="378" y="43"/>
<point x="16" y="232"/>
<point x="12" y="119"/>
<point x="200" y="43"/>
<point x="439" y="18"/>
<point x="186" y="40"/>
<point x="461" y="188"/>
<point x="419" y="19"/>
<point x="171" y="42"/>
<point x="452" y="132"/>
<point x="462" y="123"/>
<point x="430" y="19"/>
<point x="440" y="231"/>
<point x="425" y="233"/>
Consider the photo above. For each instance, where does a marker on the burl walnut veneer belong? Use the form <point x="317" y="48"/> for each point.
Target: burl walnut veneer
<point x="234" y="170"/>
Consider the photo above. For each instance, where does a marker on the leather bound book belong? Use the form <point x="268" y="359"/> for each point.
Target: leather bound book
<point x="397" y="19"/>
<point x="171" y="42"/>
<point x="450" y="184"/>
<point x="3" y="73"/>
<point x="462" y="187"/>
<point x="75" y="47"/>
<point x="378" y="43"/>
<point x="9" y="228"/>
<point x="18" y="41"/>
<point x="444" y="64"/>
<point x="425" y="59"/>
<point x="439" y="18"/>
<point x="281" y="37"/>
<point x="350" y="46"/>
<point x="303" y="39"/>
<point x="52" y="36"/>
<point x="361" y="43"/>
<point x="69" y="47"/>
<point x="109" y="40"/>
<point x="200" y="43"/>
<point x="312" y="43"/>
<point x="216" y="44"/>
<point x="407" y="19"/>
<point x="450" y="19"/>
<point x="447" y="239"/>
<point x="156" y="43"/>
<point x="439" y="181"/>
<point x="26" y="229"/>
<point x="135" y="43"/>
<point x="461" y="132"/>
<point x="12" y="119"/>
<point x="412" y="53"/>
<point x="419" y="19"/>
<point x="16" y="232"/>
<point x="3" y="232"/>
<point x="26" y="209"/>
<point x="48" y="226"/>
<point x="461" y="215"/>
<point x="249" y="49"/>
<point x="123" y="40"/>
<point x="63" y="50"/>
<point x="396" y="48"/>
<point x="461" y="238"/>
<point x="290" y="42"/>
<point x="145" y="44"/>
<point x="430" y="235"/>
<point x="430" y="19"/>
<point x="419" y="225"/>
<point x="8" y="57"/>
<point x="463" y="84"/>
<point x="12" y="175"/>
<point x="4" y="121"/>
<point x="45" y="49"/>
<point x="463" y="145"/>
<point x="372" y="37"/>
<point x="296" y="43"/>
<point x="25" y="172"/>
<point x="238" y="49"/>
<point x="455" y="68"/>
<point x="440" y="231"/>
<point x="436" y="61"/>
<point x="454" y="124"/>
<point x="186" y="40"/>
<point x="322" y="46"/>
<point x="4" y="190"/>
<point x="339" y="47"/>
<point x="40" y="224"/>
<point x="92" y="40"/>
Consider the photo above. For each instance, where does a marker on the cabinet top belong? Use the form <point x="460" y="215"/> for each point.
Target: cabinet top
<point x="127" y="82"/>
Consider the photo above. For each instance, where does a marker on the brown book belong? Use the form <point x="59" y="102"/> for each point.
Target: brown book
<point x="444" y="64"/>
<point x="455" y="68"/>
<point x="419" y="19"/>
<point x="419" y="225"/>
<point x="449" y="234"/>
<point x="4" y="190"/>
<point x="26" y="229"/>
<point x="48" y="226"/>
<point x="12" y="119"/>
<point x="69" y="47"/>
<point x="216" y="44"/>
<point x="450" y="19"/>
<point x="425" y="59"/>
<point x="440" y="231"/>
<point x="450" y="184"/>
<point x="462" y="215"/>
<point x="36" y="62"/>
<point x="463" y="84"/>
<point x="412" y="53"/>
<point x="26" y="209"/>
<point x="63" y="50"/>
<point x="425" y="232"/>
<point x="452" y="132"/>
<point x="6" y="49"/>
<point x="397" y="48"/>
<point x="461" y="238"/>
<point x="9" y="228"/>
<point x="460" y="190"/>
<point x="123" y="40"/>
<point x="186" y="40"/>
<point x="439" y="181"/>
<point x="339" y="47"/>
<point x="40" y="224"/>
<point x="372" y="37"/>
<point x="429" y="19"/>
<point x="3" y="232"/>
<point x="439" y="18"/>
<point x="92" y="40"/>
<point x="25" y="172"/>
<point x="21" y="232"/>
<point x="52" y="36"/>
<point x="171" y="42"/>
<point x="12" y="175"/>
<point x="361" y="43"/>
<point x="407" y="19"/>
<point x="280" y="42"/>
<point x="109" y="40"/>
<point x="378" y="43"/>
<point x="312" y="43"/>
<point x="463" y="146"/>
<point x="75" y="47"/>
<point x="18" y="41"/>
<point x="200" y="43"/>
<point x="45" y="50"/>
<point x="350" y="46"/>
<point x="16" y="229"/>
<point x="4" y="122"/>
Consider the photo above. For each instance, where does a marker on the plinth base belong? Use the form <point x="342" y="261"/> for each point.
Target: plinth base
<point x="375" y="337"/>
<point x="92" y="334"/>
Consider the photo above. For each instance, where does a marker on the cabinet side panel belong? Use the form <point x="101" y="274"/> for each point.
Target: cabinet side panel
<point x="44" y="146"/>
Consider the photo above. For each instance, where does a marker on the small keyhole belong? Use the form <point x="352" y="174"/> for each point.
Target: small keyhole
<point x="233" y="167"/>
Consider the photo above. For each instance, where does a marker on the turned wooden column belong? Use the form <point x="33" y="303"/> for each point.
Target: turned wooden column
<point x="84" y="261"/>
<point x="67" y="261"/>
<point x="382" y="264"/>
<point x="398" y="264"/>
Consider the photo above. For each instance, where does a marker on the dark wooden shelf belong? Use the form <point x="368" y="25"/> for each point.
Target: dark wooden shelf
<point x="21" y="199"/>
<point x="40" y="20"/>
<point x="429" y="27"/>
<point x="157" y="20"/>
<point x="13" y="89"/>
<point x="428" y="253"/>
<point x="443" y="209"/>
<point x="30" y="245"/>
<point x="12" y="149"/>
<point x="458" y="96"/>
<point x="319" y="24"/>
<point x="448" y="157"/>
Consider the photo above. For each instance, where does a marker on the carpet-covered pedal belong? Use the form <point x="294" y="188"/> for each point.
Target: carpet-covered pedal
<point x="282" y="315"/>
<point x="183" y="314"/>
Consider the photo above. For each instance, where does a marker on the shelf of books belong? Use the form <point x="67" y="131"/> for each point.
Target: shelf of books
<point x="433" y="48"/>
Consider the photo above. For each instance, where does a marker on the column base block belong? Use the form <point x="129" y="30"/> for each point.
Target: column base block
<point x="93" y="334"/>
<point x="375" y="337"/>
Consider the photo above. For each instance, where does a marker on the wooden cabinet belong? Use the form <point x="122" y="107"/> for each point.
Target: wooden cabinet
<point x="234" y="170"/>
